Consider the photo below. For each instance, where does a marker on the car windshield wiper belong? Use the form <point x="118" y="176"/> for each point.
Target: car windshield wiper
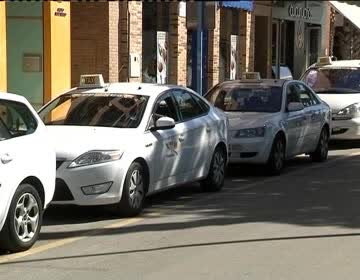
<point x="336" y="90"/>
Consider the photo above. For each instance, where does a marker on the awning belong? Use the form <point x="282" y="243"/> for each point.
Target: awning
<point x="247" y="5"/>
<point x="351" y="12"/>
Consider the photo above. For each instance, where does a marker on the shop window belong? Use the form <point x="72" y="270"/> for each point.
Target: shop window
<point x="156" y="17"/>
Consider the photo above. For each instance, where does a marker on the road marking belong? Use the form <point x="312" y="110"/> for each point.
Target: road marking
<point x="66" y="241"/>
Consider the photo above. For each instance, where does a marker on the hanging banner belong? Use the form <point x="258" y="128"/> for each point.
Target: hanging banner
<point x="233" y="56"/>
<point x="162" y="57"/>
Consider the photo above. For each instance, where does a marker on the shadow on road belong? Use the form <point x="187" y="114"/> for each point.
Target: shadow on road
<point x="321" y="196"/>
<point x="183" y="246"/>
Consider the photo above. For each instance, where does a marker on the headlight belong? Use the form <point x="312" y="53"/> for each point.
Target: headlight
<point x="250" y="132"/>
<point x="351" y="111"/>
<point x="95" y="157"/>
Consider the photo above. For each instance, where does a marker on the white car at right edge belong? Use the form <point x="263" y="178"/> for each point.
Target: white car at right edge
<point x="338" y="84"/>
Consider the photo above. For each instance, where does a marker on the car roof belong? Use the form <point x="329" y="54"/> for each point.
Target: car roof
<point x="12" y="97"/>
<point x="339" y="63"/>
<point x="126" y="88"/>
<point x="263" y="82"/>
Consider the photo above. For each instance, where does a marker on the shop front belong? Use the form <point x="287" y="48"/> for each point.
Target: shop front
<point x="35" y="49"/>
<point x="299" y="35"/>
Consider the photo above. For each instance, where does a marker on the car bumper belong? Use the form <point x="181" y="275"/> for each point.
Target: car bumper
<point x="346" y="129"/>
<point x="71" y="184"/>
<point x="249" y="150"/>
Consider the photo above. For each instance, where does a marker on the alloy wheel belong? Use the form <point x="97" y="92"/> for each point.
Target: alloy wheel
<point x="26" y="217"/>
<point x="136" y="190"/>
<point x="219" y="167"/>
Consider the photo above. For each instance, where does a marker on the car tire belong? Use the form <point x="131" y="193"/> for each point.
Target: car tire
<point x="133" y="193"/>
<point x="24" y="219"/>
<point x="216" y="176"/>
<point x="322" y="148"/>
<point x="276" y="159"/>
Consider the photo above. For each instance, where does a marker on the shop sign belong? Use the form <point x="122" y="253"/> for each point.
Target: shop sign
<point x="162" y="57"/>
<point x="233" y="56"/>
<point x="299" y="12"/>
<point x="60" y="12"/>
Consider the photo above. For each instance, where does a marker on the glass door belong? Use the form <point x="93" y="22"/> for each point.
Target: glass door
<point x="313" y="44"/>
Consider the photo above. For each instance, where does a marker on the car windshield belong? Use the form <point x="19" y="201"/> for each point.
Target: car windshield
<point x="333" y="80"/>
<point x="246" y="98"/>
<point x="106" y="110"/>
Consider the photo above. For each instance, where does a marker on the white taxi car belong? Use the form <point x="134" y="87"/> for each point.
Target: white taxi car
<point x="27" y="173"/>
<point x="272" y="120"/>
<point x="118" y="142"/>
<point x="338" y="84"/>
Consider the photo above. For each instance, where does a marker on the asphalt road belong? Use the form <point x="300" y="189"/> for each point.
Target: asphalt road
<point x="303" y="224"/>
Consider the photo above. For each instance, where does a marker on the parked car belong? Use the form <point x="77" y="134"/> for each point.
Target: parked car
<point x="118" y="142"/>
<point x="338" y="84"/>
<point x="27" y="173"/>
<point x="272" y="120"/>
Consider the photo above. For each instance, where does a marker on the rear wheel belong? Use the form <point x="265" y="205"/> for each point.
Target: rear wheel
<point x="216" y="177"/>
<point x="322" y="149"/>
<point x="133" y="194"/>
<point x="277" y="157"/>
<point x="24" y="219"/>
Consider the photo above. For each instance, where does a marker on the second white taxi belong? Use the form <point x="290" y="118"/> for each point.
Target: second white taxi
<point x="272" y="120"/>
<point x="118" y="142"/>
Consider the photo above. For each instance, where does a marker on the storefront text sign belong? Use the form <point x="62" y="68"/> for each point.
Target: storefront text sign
<point x="60" y="12"/>
<point x="299" y="12"/>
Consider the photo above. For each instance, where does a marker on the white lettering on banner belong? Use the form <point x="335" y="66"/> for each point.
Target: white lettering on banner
<point x="299" y="12"/>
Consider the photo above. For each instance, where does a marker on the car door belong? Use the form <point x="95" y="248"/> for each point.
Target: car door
<point x="166" y="148"/>
<point x="312" y="109"/>
<point x="296" y="123"/>
<point x="17" y="145"/>
<point x="196" y="134"/>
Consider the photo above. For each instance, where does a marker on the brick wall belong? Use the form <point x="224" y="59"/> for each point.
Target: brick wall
<point x="113" y="41"/>
<point x="213" y="52"/>
<point x="247" y="41"/>
<point x="178" y="46"/>
<point x="89" y="39"/>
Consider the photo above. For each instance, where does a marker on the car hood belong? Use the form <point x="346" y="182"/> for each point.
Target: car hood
<point x="239" y="120"/>
<point x="340" y="101"/>
<point x="72" y="141"/>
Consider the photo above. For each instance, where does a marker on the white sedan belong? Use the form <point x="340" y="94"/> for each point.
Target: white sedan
<point x="272" y="120"/>
<point x="338" y="84"/>
<point x="118" y="142"/>
<point x="27" y="173"/>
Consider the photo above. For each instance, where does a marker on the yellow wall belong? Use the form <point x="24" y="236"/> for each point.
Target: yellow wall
<point x="57" y="51"/>
<point x="3" y="66"/>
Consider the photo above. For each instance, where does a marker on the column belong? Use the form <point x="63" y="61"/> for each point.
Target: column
<point x="247" y="39"/>
<point x="57" y="64"/>
<point x="130" y="37"/>
<point x="178" y="46"/>
<point x="3" y="60"/>
<point x="214" y="51"/>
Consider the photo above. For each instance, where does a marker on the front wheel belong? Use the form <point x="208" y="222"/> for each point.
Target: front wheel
<point x="216" y="177"/>
<point x="133" y="194"/>
<point x="24" y="219"/>
<point x="322" y="149"/>
<point x="277" y="157"/>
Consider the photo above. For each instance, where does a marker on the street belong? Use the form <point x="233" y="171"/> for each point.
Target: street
<point x="300" y="225"/>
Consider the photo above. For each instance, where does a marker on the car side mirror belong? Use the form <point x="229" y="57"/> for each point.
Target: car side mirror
<point x="164" y="123"/>
<point x="295" y="106"/>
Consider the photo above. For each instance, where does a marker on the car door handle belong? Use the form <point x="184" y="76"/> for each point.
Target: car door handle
<point x="181" y="138"/>
<point x="6" y="158"/>
<point x="208" y="129"/>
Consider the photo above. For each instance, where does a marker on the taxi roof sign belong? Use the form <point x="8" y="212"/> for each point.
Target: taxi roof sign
<point x="324" y="60"/>
<point x="251" y="76"/>
<point x="92" y="81"/>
